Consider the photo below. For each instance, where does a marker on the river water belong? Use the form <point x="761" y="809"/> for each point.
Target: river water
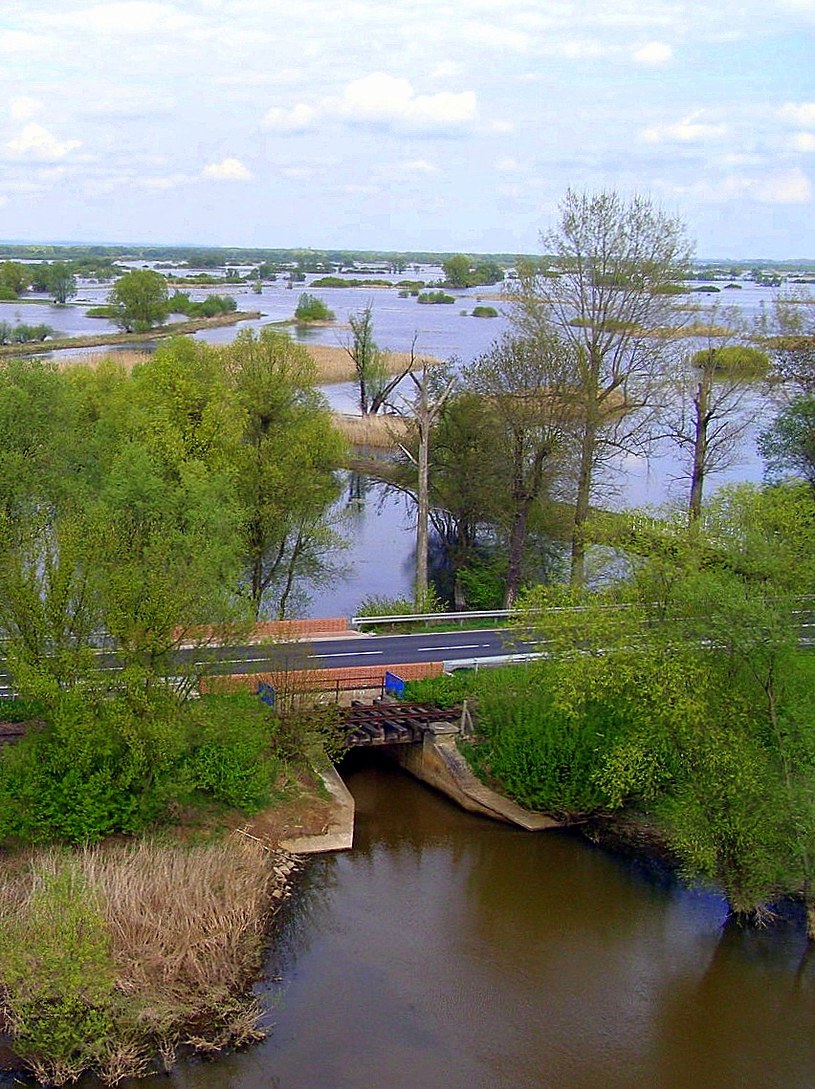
<point x="447" y="951"/>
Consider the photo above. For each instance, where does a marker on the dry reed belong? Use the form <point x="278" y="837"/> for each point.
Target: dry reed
<point x="186" y="930"/>
<point x="334" y="364"/>
<point x="382" y="432"/>
<point x="126" y="358"/>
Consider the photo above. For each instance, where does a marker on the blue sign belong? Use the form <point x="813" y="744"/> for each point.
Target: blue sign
<point x="394" y="686"/>
<point x="266" y="693"/>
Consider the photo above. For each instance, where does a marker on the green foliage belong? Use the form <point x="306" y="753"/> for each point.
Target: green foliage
<point x="230" y="757"/>
<point x="788" y="444"/>
<point x="434" y="298"/>
<point x="311" y="308"/>
<point x="58" y="976"/>
<point x="23" y="333"/>
<point x="139" y="300"/>
<point x="461" y="271"/>
<point x="485" y="312"/>
<point x="210" y="307"/>
<point x="734" y="360"/>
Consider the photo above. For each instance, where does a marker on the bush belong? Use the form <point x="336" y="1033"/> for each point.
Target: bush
<point x="434" y="297"/>
<point x="485" y="312"/>
<point x="57" y="973"/>
<point x="310" y="308"/>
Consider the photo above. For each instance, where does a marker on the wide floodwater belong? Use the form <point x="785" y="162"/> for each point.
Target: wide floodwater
<point x="450" y="952"/>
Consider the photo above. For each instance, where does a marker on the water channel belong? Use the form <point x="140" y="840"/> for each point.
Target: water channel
<point x="449" y="951"/>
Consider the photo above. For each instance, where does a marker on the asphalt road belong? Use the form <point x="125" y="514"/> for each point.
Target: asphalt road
<point x="457" y="648"/>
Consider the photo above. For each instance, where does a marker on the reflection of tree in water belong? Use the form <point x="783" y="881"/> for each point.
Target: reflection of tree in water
<point x="746" y="1019"/>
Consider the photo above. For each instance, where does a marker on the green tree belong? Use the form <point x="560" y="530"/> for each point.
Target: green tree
<point x="311" y="308"/>
<point x="788" y="444"/>
<point x="527" y="385"/>
<point x="285" y="470"/>
<point x="613" y="260"/>
<point x="139" y="300"/>
<point x="457" y="271"/>
<point x="374" y="382"/>
<point x="61" y="282"/>
<point x="697" y="651"/>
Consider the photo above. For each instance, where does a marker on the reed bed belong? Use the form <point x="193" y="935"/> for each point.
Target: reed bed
<point x="139" y="950"/>
<point x="125" y="358"/>
<point x="334" y="364"/>
<point x="380" y="432"/>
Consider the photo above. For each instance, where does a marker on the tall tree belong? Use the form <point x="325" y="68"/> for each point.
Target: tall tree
<point x="527" y="385"/>
<point x="285" y="469"/>
<point x="374" y="382"/>
<point x="706" y="398"/>
<point x="140" y="300"/>
<point x="607" y="296"/>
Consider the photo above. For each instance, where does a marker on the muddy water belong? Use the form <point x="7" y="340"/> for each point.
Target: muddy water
<point x="447" y="951"/>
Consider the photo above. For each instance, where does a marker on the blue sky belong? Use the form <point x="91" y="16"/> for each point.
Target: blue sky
<point x="408" y="124"/>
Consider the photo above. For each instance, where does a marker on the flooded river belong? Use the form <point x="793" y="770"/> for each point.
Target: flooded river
<point x="450" y="952"/>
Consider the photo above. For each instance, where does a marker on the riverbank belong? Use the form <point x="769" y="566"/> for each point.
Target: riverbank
<point x="100" y="340"/>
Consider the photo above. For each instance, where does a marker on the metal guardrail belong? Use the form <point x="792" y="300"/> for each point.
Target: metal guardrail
<point x="430" y="618"/>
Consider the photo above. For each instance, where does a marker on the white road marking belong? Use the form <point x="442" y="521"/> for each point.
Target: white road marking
<point x="462" y="646"/>
<point x="348" y="654"/>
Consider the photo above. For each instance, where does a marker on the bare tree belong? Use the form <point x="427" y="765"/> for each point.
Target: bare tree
<point x="425" y="407"/>
<point x="607" y="295"/>
<point x="705" y="415"/>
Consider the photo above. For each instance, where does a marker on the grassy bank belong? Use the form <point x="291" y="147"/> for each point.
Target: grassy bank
<point x="160" y="332"/>
<point x="113" y="959"/>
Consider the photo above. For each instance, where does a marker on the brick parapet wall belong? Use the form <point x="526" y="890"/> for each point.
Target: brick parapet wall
<point x="321" y="680"/>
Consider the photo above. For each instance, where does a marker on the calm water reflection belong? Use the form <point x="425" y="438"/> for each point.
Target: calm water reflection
<point x="446" y="950"/>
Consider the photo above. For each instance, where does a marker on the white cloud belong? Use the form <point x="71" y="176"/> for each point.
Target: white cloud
<point x="446" y="69"/>
<point x="785" y="187"/>
<point x="780" y="187"/>
<point x="803" y="141"/>
<point x="798" y="113"/>
<point x="653" y="53"/>
<point x="37" y="143"/>
<point x="227" y="170"/>
<point x="581" y="49"/>
<point x="380" y="99"/>
<point x="166" y="181"/>
<point x="127" y="18"/>
<point x="18" y="41"/>
<point x="496" y="37"/>
<point x="508" y="165"/>
<point x="687" y="131"/>
<point x="418" y="166"/>
<point x="299" y="118"/>
<point x="502" y="126"/>
<point x="23" y="108"/>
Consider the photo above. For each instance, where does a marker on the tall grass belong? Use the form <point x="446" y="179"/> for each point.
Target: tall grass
<point x="380" y="432"/>
<point x="334" y="364"/>
<point x="112" y="956"/>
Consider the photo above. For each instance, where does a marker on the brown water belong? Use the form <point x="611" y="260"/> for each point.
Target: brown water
<point x="449" y="952"/>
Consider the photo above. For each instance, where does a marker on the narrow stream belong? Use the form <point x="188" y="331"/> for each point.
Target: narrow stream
<point x="449" y="951"/>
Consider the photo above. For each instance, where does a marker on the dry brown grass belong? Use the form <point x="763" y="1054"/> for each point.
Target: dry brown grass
<point x="186" y="929"/>
<point x="382" y="432"/>
<point x="335" y="365"/>
<point x="126" y="359"/>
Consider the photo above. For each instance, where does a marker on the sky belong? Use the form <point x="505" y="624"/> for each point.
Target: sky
<point x="445" y="125"/>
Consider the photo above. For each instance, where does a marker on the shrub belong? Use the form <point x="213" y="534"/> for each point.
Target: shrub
<point x="434" y="297"/>
<point x="57" y="972"/>
<point x="485" y="312"/>
<point x="310" y="308"/>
